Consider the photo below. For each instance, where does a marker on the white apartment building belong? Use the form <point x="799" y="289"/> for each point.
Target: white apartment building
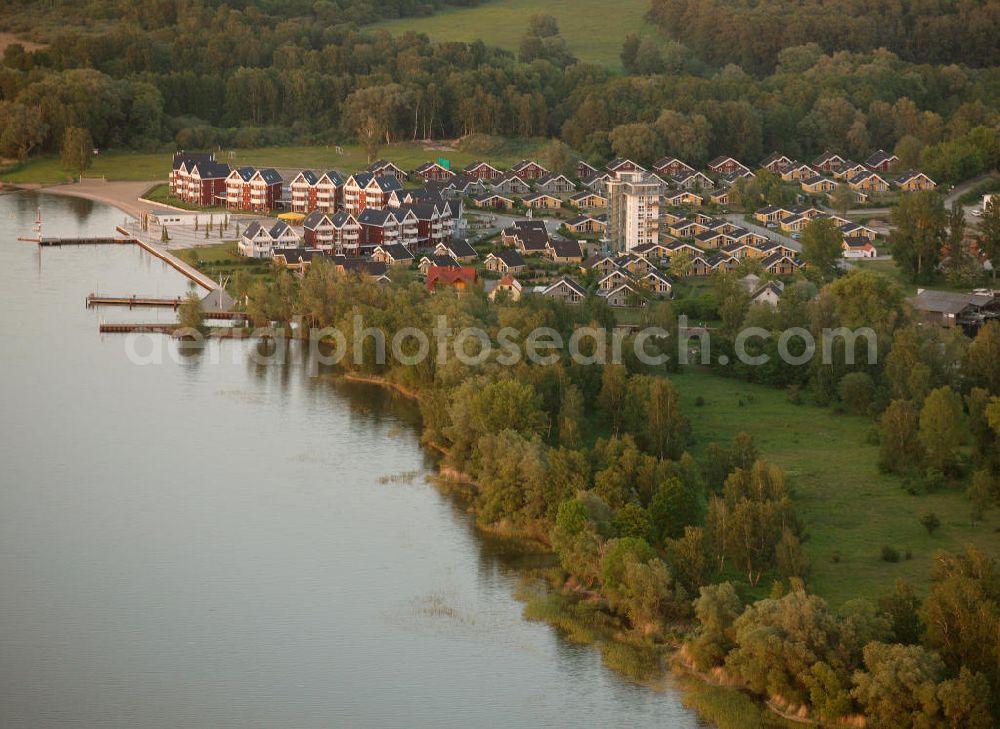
<point x="633" y="210"/>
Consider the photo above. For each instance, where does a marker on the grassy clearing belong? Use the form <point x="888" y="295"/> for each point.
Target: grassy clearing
<point x="891" y="269"/>
<point x="156" y="165"/>
<point x="594" y="31"/>
<point x="407" y="155"/>
<point x="849" y="509"/>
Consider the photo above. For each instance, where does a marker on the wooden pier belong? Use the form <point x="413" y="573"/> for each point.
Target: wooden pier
<point x="132" y="301"/>
<point x="95" y="241"/>
<point x="190" y="271"/>
<point x="136" y="301"/>
<point x="107" y="328"/>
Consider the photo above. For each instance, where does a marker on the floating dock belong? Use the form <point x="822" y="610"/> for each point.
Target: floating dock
<point x="95" y="241"/>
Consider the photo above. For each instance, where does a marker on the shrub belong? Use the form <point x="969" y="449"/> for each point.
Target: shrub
<point x="930" y="522"/>
<point x="934" y="480"/>
<point x="889" y="554"/>
<point x="856" y="391"/>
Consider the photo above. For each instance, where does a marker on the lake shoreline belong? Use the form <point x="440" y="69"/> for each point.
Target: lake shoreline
<point x="698" y="691"/>
<point x="296" y="575"/>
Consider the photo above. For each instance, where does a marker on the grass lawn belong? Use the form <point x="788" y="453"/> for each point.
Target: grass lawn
<point x="223" y="259"/>
<point x="594" y="31"/>
<point x="844" y="503"/>
<point x="161" y="194"/>
<point x="351" y="158"/>
<point x="112" y="165"/>
<point x="891" y="269"/>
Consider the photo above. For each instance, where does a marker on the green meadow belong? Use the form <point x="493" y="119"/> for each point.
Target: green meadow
<point x="848" y="508"/>
<point x="594" y="29"/>
<point x="115" y="165"/>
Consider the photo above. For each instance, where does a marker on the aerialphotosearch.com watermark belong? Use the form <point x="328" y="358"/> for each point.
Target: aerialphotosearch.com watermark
<point x="508" y="346"/>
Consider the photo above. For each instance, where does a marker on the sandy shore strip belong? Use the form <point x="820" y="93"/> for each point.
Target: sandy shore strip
<point x="122" y="195"/>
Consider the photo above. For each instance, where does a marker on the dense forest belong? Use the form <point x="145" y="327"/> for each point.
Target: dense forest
<point x="594" y="460"/>
<point x="204" y="74"/>
<point x="753" y="33"/>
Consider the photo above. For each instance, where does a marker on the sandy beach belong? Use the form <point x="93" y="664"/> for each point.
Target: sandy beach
<point x="122" y="195"/>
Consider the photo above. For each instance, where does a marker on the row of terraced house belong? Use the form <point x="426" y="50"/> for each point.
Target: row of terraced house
<point x="199" y="179"/>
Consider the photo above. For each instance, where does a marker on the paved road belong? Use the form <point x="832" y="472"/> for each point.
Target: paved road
<point x="502" y="220"/>
<point x="949" y="199"/>
<point x="761" y="230"/>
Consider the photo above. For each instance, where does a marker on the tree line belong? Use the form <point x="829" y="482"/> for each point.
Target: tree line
<point x="753" y="33"/>
<point x="195" y="74"/>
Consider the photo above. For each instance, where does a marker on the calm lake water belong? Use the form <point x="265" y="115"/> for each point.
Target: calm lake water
<point x="207" y="543"/>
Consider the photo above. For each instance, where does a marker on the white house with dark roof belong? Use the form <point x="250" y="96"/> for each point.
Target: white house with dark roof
<point x="554" y="183"/>
<point x="625" y="294"/>
<point x="565" y="289"/>
<point x="769" y="294"/>
<point x="510" y="184"/>
<point x="258" y="240"/>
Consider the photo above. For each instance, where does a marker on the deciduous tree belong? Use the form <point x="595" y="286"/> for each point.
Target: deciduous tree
<point x="822" y="248"/>
<point x="941" y="429"/>
<point x="899" y="446"/>
<point x="989" y="233"/>
<point x="919" y="219"/>
<point x="373" y="113"/>
<point x="22" y="129"/>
